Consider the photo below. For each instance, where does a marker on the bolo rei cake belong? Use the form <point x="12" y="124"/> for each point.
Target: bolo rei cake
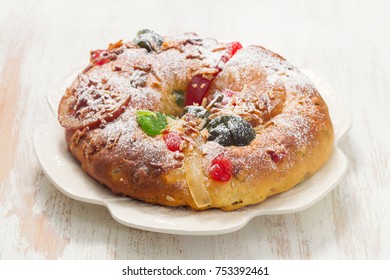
<point x="190" y="121"/>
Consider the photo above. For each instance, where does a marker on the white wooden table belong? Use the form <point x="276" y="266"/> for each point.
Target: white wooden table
<point x="346" y="42"/>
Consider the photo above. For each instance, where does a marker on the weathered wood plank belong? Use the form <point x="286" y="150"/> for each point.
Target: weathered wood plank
<point x="345" y="42"/>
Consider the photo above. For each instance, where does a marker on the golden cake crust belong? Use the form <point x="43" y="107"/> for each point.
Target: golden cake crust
<point x="294" y="134"/>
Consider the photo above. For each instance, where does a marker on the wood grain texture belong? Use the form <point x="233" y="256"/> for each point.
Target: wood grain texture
<point x="345" y="42"/>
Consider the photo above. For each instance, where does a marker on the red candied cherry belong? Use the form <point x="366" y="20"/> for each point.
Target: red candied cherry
<point x="196" y="90"/>
<point x="276" y="157"/>
<point x="220" y="168"/>
<point x="226" y="96"/>
<point x="100" y="57"/>
<point x="231" y="50"/>
<point x="229" y="92"/>
<point x="173" y="140"/>
<point x="233" y="47"/>
<point x="198" y="86"/>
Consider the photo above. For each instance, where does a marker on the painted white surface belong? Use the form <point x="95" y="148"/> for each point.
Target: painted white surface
<point x="345" y="42"/>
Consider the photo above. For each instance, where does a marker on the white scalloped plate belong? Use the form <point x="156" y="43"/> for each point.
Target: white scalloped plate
<point x="65" y="173"/>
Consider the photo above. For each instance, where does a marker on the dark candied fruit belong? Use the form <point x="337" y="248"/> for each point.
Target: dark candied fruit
<point x="148" y="40"/>
<point x="196" y="111"/>
<point x="220" y="168"/>
<point x="179" y="97"/>
<point x="230" y="131"/>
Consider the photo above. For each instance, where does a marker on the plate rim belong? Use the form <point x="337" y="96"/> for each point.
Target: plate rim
<point x="110" y="203"/>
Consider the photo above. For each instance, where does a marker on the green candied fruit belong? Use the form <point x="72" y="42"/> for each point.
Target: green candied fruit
<point x="148" y="40"/>
<point x="179" y="97"/>
<point x="152" y="123"/>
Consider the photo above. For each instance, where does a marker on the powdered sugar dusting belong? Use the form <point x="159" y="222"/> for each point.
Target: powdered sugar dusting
<point x="280" y="102"/>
